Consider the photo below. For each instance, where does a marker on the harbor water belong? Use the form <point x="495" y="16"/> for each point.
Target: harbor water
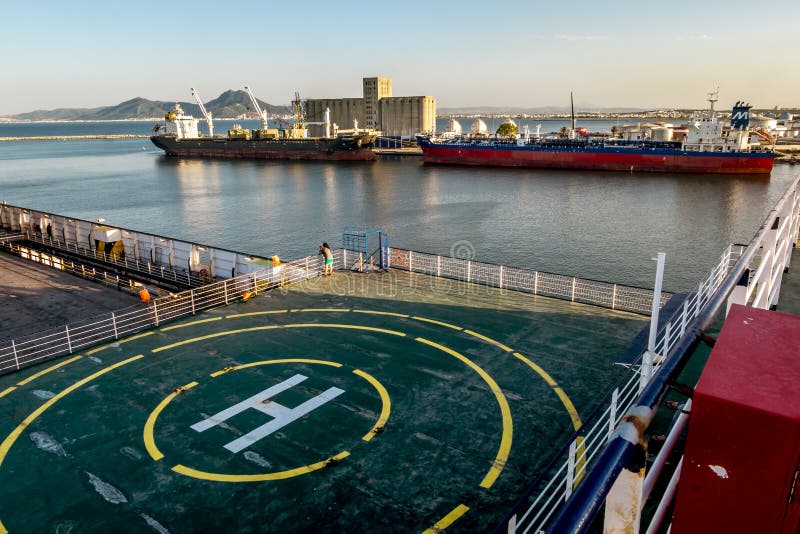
<point x="599" y="225"/>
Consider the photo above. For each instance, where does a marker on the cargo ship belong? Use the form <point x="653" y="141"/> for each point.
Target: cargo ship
<point x="710" y="145"/>
<point x="179" y="136"/>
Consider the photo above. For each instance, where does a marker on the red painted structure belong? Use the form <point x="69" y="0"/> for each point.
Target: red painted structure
<point x="740" y="466"/>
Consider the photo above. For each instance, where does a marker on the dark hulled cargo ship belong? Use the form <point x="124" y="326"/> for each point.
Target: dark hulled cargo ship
<point x="179" y="136"/>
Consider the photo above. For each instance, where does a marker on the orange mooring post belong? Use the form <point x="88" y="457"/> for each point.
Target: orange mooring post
<point x="144" y="294"/>
<point x="246" y="296"/>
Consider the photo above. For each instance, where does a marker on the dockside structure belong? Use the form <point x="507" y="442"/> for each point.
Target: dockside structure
<point x="395" y="116"/>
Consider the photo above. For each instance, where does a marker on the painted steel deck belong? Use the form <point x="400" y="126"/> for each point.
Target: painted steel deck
<point x="386" y="401"/>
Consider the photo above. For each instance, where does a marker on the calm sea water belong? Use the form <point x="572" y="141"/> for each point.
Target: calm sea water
<point x="599" y="225"/>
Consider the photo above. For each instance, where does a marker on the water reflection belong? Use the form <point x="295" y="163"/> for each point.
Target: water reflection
<point x="598" y="225"/>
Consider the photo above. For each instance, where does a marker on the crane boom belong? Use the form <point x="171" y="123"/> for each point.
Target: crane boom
<point x="207" y="115"/>
<point x="261" y="114"/>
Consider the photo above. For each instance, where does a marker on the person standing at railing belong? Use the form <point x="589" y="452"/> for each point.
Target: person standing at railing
<point x="325" y="251"/>
<point x="50" y="231"/>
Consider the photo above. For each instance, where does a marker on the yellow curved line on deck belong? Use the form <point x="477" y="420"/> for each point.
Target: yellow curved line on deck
<point x="268" y="362"/>
<point x="273" y="327"/>
<point x="120" y="342"/>
<point x="447" y="520"/>
<point x="12" y="437"/>
<point x="321" y="310"/>
<point x="348" y="326"/>
<point x="508" y="424"/>
<point x="147" y="434"/>
<point x="7" y="391"/>
<point x="278" y="475"/>
<point x="386" y="403"/>
<point x="440" y="323"/>
<point x="184" y="325"/>
<point x="236" y="315"/>
<point x="48" y="370"/>
<point x="573" y="413"/>
<point x="488" y="340"/>
<point x="393" y="314"/>
<point x="211" y="336"/>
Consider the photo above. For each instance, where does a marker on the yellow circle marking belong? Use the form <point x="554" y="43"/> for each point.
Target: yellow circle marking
<point x="508" y="425"/>
<point x="447" y="520"/>
<point x="278" y="475"/>
<point x="12" y="437"/>
<point x="156" y="454"/>
<point x="386" y="404"/>
<point x="274" y="327"/>
<point x="149" y="442"/>
<point x="192" y="323"/>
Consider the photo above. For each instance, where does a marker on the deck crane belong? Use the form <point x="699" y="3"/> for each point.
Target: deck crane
<point x="261" y="114"/>
<point x="209" y="120"/>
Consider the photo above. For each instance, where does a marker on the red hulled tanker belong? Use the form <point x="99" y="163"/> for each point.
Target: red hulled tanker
<point x="710" y="146"/>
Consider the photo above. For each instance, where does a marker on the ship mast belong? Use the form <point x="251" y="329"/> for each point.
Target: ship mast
<point x="209" y="120"/>
<point x="261" y="114"/>
<point x="572" y="108"/>
<point x="713" y="97"/>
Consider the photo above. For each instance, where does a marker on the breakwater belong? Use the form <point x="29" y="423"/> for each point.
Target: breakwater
<point x="72" y="137"/>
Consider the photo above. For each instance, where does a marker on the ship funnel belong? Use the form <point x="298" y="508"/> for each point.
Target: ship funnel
<point x="740" y="116"/>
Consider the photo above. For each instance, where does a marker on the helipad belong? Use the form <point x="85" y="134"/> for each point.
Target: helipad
<point x="385" y="402"/>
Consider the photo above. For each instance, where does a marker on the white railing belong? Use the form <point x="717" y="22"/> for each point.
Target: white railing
<point x="572" y="288"/>
<point x="767" y="257"/>
<point x="584" y="446"/>
<point x="35" y="348"/>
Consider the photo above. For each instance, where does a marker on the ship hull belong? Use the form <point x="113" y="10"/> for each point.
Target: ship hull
<point x="335" y="149"/>
<point x="603" y="159"/>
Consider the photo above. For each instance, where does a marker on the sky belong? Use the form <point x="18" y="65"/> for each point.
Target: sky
<point x="645" y="54"/>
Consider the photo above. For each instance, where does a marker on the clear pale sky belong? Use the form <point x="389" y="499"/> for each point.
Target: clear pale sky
<point x="516" y="53"/>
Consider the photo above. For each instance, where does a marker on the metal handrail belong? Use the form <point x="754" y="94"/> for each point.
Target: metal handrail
<point x="18" y="353"/>
<point x="590" y="495"/>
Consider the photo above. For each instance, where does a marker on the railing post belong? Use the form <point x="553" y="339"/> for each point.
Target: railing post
<point x="69" y="343"/>
<point x="512" y="524"/>
<point x="500" y="283"/>
<point x="410" y="264"/>
<point x="612" y="415"/>
<point x="570" y="481"/>
<point x="14" y="350"/>
<point x="191" y="296"/>
<point x="646" y="371"/>
<point x="438" y="266"/>
<point x="535" y="282"/>
<point x="574" y="283"/>
<point x="614" y="297"/>
<point x="255" y="284"/>
<point x="114" y="323"/>
<point x="344" y="258"/>
<point x="469" y="269"/>
<point x="225" y="288"/>
<point x="155" y="311"/>
<point x="684" y="316"/>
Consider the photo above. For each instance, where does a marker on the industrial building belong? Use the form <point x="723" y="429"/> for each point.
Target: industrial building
<point x="395" y="116"/>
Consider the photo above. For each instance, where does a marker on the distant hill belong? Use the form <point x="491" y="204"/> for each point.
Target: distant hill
<point x="229" y="104"/>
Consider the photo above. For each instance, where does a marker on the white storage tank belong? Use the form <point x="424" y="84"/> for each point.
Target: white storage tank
<point x="478" y="127"/>
<point x="661" y="133"/>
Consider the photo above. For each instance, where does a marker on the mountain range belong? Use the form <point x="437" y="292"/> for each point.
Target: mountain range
<point x="229" y="104"/>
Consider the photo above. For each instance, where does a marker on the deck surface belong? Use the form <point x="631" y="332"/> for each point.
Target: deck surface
<point x="389" y="401"/>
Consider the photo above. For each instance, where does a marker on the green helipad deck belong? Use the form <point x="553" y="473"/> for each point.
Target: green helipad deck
<point x="385" y="402"/>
